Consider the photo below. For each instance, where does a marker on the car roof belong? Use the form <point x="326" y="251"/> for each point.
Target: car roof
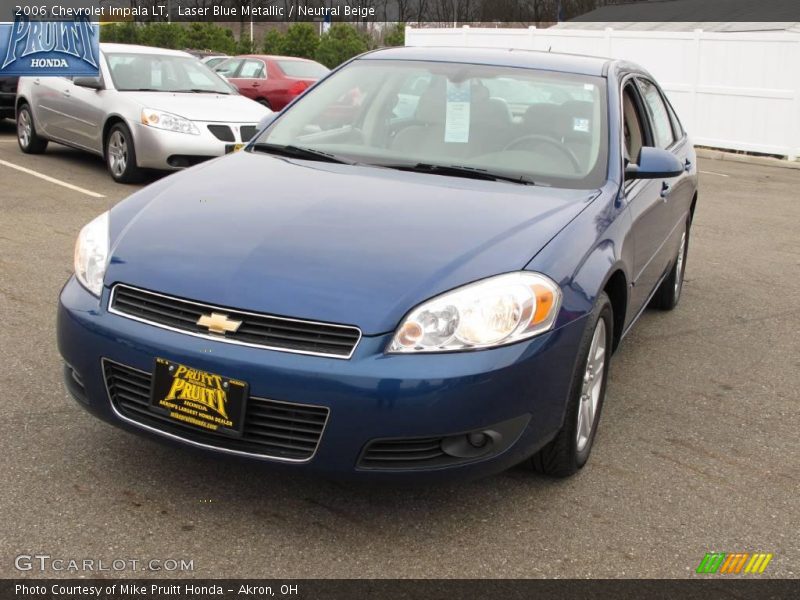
<point x="530" y="59"/>
<point x="134" y="49"/>
<point x="273" y="57"/>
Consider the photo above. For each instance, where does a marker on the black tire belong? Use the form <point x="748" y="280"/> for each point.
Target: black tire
<point x="562" y="456"/>
<point x="119" y="147"/>
<point x="264" y="102"/>
<point x="30" y="142"/>
<point x="669" y="292"/>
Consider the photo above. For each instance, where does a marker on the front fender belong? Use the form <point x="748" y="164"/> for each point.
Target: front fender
<point x="586" y="253"/>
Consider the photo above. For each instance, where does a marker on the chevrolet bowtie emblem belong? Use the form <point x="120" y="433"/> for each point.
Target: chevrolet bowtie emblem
<point x="218" y="323"/>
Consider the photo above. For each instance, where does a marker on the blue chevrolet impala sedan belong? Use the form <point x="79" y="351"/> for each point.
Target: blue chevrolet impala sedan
<point x="420" y="268"/>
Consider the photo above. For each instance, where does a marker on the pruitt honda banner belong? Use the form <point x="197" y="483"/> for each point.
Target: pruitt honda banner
<point x="56" y="48"/>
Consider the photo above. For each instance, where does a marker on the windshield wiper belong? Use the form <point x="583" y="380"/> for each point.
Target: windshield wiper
<point x="200" y="91"/>
<point x="298" y="152"/>
<point x="462" y="171"/>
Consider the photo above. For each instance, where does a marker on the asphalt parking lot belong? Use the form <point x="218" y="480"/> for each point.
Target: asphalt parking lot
<point x="697" y="450"/>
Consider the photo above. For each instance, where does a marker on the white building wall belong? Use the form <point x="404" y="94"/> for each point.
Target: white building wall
<point x="736" y="91"/>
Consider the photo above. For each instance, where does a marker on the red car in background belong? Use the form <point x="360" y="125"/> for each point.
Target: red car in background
<point x="274" y="81"/>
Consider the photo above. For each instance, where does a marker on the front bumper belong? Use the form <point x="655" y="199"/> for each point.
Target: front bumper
<point x="170" y="150"/>
<point x="372" y="396"/>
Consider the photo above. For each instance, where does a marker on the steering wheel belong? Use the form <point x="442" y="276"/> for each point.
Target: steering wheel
<point x="539" y="139"/>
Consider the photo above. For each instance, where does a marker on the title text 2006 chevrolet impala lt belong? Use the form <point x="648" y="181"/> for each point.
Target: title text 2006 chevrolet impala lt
<point x="436" y="286"/>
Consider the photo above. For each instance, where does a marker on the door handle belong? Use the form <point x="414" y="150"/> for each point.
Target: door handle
<point x="665" y="190"/>
<point x="254" y="84"/>
<point x="687" y="165"/>
<point x="36" y="81"/>
<point x="67" y="93"/>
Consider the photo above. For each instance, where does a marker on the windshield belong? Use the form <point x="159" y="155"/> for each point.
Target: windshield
<point x="539" y="126"/>
<point x="163" y="73"/>
<point x="303" y="68"/>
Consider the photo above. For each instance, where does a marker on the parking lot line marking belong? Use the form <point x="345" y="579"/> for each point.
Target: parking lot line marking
<point x="714" y="173"/>
<point x="51" y="179"/>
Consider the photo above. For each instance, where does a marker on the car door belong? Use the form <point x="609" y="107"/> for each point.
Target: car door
<point x="48" y="102"/>
<point x="84" y="110"/>
<point x="673" y="138"/>
<point x="647" y="200"/>
<point x="251" y="79"/>
<point x="228" y="69"/>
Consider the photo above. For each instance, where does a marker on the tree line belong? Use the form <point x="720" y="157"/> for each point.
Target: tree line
<point x="339" y="43"/>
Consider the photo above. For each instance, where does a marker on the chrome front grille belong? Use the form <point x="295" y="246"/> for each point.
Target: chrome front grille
<point x="264" y="331"/>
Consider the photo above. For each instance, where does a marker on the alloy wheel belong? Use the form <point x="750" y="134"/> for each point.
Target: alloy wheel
<point x="24" y="129"/>
<point x="117" y="153"/>
<point x="592" y="386"/>
<point x="679" y="267"/>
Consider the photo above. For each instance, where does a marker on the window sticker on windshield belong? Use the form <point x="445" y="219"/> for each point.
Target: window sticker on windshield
<point x="456" y="128"/>
<point x="581" y="125"/>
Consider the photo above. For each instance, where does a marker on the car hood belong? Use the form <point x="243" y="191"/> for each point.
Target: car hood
<point x="354" y="245"/>
<point x="226" y="108"/>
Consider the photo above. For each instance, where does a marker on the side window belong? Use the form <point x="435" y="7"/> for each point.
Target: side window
<point x="676" y="123"/>
<point x="633" y="123"/>
<point x="228" y="68"/>
<point x="252" y="69"/>
<point x="662" y="127"/>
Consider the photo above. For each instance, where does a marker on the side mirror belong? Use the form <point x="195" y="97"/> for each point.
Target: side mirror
<point x="266" y="120"/>
<point x="654" y="163"/>
<point x="93" y="83"/>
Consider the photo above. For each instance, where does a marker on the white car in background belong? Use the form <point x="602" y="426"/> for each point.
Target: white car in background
<point x="150" y="108"/>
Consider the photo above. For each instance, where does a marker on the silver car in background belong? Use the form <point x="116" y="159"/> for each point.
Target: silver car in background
<point x="150" y="108"/>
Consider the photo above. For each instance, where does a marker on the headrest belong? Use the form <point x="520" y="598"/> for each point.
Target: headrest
<point x="542" y="119"/>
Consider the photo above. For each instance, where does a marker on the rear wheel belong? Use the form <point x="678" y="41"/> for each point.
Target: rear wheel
<point x="27" y="138"/>
<point x="570" y="449"/>
<point x="121" y="155"/>
<point x="669" y="292"/>
<point x="264" y="102"/>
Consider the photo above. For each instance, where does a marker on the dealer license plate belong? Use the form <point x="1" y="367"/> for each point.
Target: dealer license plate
<point x="199" y="399"/>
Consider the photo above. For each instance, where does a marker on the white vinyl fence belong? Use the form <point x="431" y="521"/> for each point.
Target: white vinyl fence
<point x="736" y="91"/>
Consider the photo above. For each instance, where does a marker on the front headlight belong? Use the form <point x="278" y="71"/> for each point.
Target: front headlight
<point x="496" y="311"/>
<point x="91" y="254"/>
<point x="164" y="120"/>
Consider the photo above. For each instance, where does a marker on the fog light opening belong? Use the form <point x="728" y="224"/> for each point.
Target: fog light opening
<point x="472" y="444"/>
<point x="477" y="439"/>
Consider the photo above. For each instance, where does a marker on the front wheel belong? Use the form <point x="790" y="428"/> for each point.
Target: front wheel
<point x="121" y="155"/>
<point x="569" y="450"/>
<point x="669" y="292"/>
<point x="27" y="138"/>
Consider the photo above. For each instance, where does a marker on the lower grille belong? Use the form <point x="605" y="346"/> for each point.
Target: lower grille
<point x="444" y="451"/>
<point x="273" y="429"/>
<point x="222" y="133"/>
<point x="404" y="454"/>
<point x="182" y="161"/>
<point x="247" y="132"/>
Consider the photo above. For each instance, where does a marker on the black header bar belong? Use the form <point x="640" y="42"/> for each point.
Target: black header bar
<point x="442" y="12"/>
